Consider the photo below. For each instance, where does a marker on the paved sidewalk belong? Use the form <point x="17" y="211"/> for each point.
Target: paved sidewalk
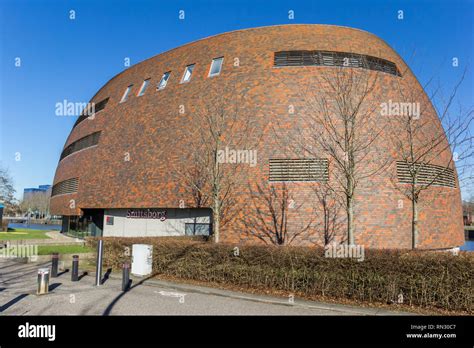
<point x="60" y="237"/>
<point x="152" y="297"/>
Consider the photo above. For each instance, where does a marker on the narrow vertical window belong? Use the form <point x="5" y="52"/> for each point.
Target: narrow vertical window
<point x="216" y="66"/>
<point x="125" y="95"/>
<point x="143" y="87"/>
<point x="187" y="73"/>
<point x="164" y="80"/>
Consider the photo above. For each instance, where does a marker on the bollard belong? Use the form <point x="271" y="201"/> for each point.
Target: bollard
<point x="98" y="269"/>
<point x="54" y="265"/>
<point x="75" y="268"/>
<point x="43" y="281"/>
<point x="125" y="277"/>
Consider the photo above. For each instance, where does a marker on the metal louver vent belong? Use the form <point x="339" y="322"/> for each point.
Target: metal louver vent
<point x="329" y="58"/>
<point x="64" y="187"/>
<point x="299" y="170"/>
<point x="425" y="174"/>
<point x="86" y="112"/>
<point x="83" y="143"/>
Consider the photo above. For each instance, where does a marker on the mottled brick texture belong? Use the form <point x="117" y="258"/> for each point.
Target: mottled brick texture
<point x="158" y="138"/>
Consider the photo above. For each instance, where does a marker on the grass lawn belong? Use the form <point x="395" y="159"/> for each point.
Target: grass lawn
<point x="63" y="249"/>
<point x="23" y="233"/>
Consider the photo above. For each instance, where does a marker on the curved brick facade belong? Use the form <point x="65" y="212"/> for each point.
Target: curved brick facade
<point x="154" y="134"/>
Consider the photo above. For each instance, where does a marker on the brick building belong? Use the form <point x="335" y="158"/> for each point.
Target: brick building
<point x="124" y="170"/>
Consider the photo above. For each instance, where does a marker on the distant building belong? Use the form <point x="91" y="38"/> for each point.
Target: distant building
<point x="36" y="201"/>
<point x="41" y="189"/>
<point x="468" y="212"/>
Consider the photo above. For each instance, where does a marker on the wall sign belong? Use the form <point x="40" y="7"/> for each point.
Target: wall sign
<point x="109" y="220"/>
<point x="146" y="214"/>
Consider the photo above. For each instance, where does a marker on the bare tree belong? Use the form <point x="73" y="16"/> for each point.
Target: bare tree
<point x="340" y="122"/>
<point x="273" y="209"/>
<point x="7" y="191"/>
<point x="37" y="203"/>
<point x="423" y="144"/>
<point x="219" y="124"/>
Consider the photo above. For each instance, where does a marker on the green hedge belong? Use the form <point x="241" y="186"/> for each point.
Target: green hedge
<point x="426" y="279"/>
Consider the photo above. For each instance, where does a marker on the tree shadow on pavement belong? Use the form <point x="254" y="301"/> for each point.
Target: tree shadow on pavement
<point x="116" y="299"/>
<point x="12" y="302"/>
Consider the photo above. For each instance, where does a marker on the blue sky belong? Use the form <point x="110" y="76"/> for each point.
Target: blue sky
<point x="71" y="59"/>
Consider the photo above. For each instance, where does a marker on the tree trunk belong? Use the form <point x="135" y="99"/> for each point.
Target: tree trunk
<point x="326" y="227"/>
<point x="414" y="223"/>
<point x="216" y="220"/>
<point x="350" y="220"/>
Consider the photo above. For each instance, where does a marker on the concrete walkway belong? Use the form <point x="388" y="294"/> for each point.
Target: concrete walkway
<point x="151" y="297"/>
<point x="60" y="238"/>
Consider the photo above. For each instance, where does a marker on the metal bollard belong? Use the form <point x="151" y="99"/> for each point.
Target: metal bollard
<point x="98" y="269"/>
<point x="75" y="268"/>
<point x="43" y="281"/>
<point x="125" y="277"/>
<point x="54" y="265"/>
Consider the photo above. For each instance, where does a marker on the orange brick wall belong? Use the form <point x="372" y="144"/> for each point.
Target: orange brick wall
<point x="157" y="137"/>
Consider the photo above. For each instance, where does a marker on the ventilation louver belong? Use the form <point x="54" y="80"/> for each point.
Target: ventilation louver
<point x="328" y="58"/>
<point x="83" y="143"/>
<point x="64" y="187"/>
<point x="425" y="174"/>
<point x="86" y="112"/>
<point x="299" y="170"/>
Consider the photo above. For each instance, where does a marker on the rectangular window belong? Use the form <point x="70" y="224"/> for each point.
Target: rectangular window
<point x="143" y="87"/>
<point x="187" y="73"/>
<point x="125" y="95"/>
<point x="164" y="80"/>
<point x="216" y="66"/>
<point x="197" y="229"/>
